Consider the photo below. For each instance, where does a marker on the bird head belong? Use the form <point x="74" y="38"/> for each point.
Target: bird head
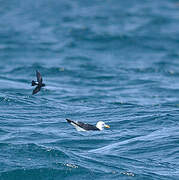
<point x="100" y="125"/>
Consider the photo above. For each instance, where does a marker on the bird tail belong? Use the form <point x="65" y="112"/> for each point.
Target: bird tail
<point x="33" y="83"/>
<point x="69" y="121"/>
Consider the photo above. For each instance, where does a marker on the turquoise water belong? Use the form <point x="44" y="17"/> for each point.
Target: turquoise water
<point x="116" y="61"/>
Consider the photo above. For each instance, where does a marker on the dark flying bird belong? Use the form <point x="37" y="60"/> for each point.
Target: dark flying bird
<point x="80" y="126"/>
<point x="37" y="83"/>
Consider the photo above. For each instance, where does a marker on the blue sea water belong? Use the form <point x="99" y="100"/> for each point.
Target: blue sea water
<point x="110" y="60"/>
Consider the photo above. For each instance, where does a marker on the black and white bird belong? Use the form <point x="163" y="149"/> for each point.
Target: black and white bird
<point x="37" y="83"/>
<point x="80" y="126"/>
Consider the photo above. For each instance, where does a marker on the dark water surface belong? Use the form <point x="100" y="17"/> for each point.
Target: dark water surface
<point x="110" y="60"/>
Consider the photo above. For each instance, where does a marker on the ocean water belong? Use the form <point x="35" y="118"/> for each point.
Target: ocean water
<point x="110" y="60"/>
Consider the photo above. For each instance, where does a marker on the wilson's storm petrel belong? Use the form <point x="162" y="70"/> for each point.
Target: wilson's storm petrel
<point x="37" y="83"/>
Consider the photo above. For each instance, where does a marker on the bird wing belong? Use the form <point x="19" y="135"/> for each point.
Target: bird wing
<point x="36" y="90"/>
<point x="39" y="77"/>
<point x="82" y="125"/>
<point x="86" y="126"/>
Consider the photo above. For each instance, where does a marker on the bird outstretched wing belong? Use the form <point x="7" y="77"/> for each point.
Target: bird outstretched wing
<point x="36" y="90"/>
<point x="39" y="77"/>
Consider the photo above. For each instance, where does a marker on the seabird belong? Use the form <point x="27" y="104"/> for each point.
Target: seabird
<point x="37" y="83"/>
<point x="80" y="126"/>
